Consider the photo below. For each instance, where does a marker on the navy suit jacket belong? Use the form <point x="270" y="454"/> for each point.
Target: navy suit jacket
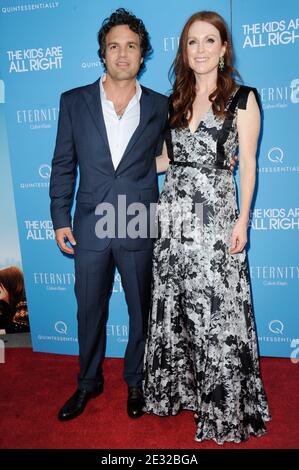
<point x="82" y="144"/>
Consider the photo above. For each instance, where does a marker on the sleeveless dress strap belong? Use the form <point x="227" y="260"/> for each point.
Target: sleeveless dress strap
<point x="239" y="101"/>
<point x="240" y="98"/>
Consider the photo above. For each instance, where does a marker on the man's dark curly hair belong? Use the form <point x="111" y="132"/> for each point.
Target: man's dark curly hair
<point x="124" y="17"/>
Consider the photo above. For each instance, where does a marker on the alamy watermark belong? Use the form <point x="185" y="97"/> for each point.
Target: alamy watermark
<point x="139" y="220"/>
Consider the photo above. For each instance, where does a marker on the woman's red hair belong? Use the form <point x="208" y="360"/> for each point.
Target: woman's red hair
<point x="184" y="92"/>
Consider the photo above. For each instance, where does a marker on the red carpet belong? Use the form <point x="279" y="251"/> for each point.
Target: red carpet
<point x="35" y="385"/>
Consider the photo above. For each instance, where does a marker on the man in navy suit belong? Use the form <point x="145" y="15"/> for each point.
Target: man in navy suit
<point x="112" y="131"/>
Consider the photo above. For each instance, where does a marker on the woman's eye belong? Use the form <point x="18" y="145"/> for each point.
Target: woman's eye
<point x="211" y="40"/>
<point x="191" y="42"/>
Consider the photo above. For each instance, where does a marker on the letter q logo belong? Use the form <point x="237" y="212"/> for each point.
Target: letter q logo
<point x="44" y="171"/>
<point x="61" y="327"/>
<point x="275" y="155"/>
<point x="276" y="327"/>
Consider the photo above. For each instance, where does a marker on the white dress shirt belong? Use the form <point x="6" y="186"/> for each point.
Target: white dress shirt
<point x="120" y="130"/>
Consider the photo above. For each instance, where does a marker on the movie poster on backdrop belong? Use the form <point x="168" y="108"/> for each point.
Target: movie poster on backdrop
<point x="14" y="316"/>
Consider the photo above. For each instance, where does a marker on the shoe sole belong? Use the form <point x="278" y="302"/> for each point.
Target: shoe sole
<point x="136" y="416"/>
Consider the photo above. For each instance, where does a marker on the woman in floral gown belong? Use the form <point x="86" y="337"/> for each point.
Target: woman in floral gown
<point x="201" y="350"/>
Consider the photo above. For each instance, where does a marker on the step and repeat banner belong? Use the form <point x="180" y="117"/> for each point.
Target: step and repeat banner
<point x="266" y="41"/>
<point x="49" y="47"/>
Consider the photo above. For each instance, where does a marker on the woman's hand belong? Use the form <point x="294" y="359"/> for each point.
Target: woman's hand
<point x="162" y="162"/>
<point x="239" y="237"/>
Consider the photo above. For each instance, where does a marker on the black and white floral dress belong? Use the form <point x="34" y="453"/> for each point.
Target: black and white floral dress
<point x="201" y="351"/>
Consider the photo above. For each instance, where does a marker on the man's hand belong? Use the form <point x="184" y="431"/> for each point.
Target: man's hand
<point x="233" y="162"/>
<point x="62" y="235"/>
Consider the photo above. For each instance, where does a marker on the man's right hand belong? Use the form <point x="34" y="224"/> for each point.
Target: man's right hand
<point x="62" y="235"/>
<point x="233" y="162"/>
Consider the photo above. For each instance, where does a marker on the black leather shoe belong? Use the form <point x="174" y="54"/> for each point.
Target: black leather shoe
<point x="135" y="402"/>
<point x="76" y="404"/>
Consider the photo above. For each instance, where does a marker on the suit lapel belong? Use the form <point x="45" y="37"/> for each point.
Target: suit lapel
<point x="93" y="99"/>
<point x="146" y="105"/>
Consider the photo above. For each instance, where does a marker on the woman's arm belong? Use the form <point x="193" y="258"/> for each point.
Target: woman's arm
<point x="248" y="125"/>
<point x="162" y="162"/>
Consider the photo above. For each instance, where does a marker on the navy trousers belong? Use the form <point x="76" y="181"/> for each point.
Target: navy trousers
<point x="94" y="272"/>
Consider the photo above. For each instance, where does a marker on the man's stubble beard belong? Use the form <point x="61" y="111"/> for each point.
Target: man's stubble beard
<point x="119" y="75"/>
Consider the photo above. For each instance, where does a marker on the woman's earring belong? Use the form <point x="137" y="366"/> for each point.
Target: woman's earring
<point x="221" y="63"/>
